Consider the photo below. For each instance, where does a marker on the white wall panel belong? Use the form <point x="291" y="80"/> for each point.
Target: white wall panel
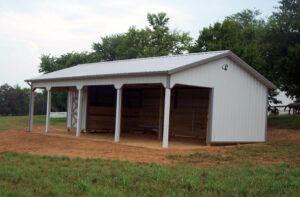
<point x="239" y="101"/>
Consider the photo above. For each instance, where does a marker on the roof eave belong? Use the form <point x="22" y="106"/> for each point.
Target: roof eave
<point x="98" y="76"/>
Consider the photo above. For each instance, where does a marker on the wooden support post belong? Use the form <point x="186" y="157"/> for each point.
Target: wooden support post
<point x="166" y="117"/>
<point x="79" y="109"/>
<point x="118" y="114"/>
<point x="31" y="110"/>
<point x="48" y="109"/>
<point x="161" y="113"/>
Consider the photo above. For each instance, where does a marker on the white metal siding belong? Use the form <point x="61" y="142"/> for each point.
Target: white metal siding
<point x="239" y="100"/>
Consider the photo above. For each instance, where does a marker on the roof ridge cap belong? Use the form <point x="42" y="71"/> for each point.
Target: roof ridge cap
<point x="155" y="57"/>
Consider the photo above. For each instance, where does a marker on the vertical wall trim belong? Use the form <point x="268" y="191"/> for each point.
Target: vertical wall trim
<point x="266" y="121"/>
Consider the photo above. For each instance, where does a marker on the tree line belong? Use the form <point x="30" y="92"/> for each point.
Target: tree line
<point x="14" y="101"/>
<point x="271" y="46"/>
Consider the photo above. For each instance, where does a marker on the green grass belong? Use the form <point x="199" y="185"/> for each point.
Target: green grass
<point x="19" y="122"/>
<point x="268" y="153"/>
<point x="31" y="175"/>
<point x="284" y="122"/>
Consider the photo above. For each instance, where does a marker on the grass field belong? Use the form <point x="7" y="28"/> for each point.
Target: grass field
<point x="23" y="174"/>
<point x="18" y="122"/>
<point x="284" y="122"/>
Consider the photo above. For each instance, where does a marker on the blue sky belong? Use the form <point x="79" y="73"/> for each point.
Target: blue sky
<point x="30" y="28"/>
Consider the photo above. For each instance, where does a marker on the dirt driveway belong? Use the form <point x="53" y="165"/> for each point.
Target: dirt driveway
<point x="53" y="144"/>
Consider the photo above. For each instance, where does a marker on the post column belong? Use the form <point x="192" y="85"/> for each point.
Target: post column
<point x="118" y="114"/>
<point x="48" y="109"/>
<point x="79" y="109"/>
<point x="31" y="109"/>
<point x="166" y="117"/>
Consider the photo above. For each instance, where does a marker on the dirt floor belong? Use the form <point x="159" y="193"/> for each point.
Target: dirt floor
<point x="144" y="149"/>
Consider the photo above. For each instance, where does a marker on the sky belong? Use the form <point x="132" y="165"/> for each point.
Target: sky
<point x="31" y="28"/>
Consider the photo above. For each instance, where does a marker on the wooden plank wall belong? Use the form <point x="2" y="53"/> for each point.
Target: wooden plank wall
<point x="140" y="112"/>
<point x="101" y="108"/>
<point x="189" y="112"/>
<point x="145" y="115"/>
<point x="101" y="118"/>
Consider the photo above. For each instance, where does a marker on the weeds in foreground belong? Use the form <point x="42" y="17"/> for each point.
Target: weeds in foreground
<point x="32" y="175"/>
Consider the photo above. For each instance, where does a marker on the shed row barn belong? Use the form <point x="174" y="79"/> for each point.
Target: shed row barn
<point x="213" y="96"/>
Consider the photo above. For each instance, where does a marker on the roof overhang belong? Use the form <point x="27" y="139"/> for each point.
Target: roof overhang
<point x="99" y="76"/>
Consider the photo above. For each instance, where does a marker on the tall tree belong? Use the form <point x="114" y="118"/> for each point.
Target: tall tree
<point x="242" y="33"/>
<point x="155" y="40"/>
<point x="239" y="33"/>
<point x="281" y="47"/>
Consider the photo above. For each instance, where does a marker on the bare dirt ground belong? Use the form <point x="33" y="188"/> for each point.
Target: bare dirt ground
<point x="283" y="135"/>
<point x="134" y="149"/>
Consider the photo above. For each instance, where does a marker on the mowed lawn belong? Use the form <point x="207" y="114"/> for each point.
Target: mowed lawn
<point x="32" y="175"/>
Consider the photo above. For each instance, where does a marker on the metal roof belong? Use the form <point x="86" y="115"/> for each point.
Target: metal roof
<point x="143" y="66"/>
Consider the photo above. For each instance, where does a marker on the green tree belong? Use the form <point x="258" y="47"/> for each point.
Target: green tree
<point x="6" y="104"/>
<point x="239" y="33"/>
<point x="155" y="40"/>
<point x="14" y="101"/>
<point x="50" y="63"/>
<point x="242" y="33"/>
<point x="21" y="100"/>
<point x="281" y="47"/>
